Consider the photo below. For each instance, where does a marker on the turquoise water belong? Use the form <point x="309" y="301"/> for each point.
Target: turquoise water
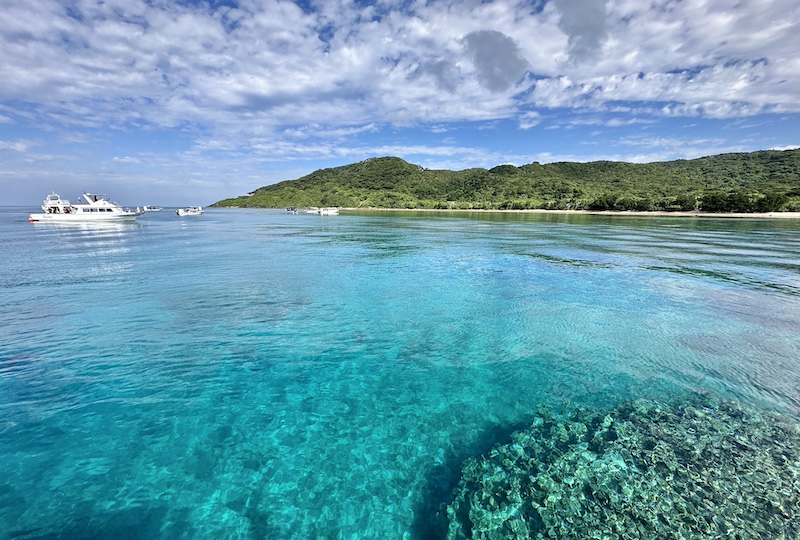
<point x="254" y="374"/>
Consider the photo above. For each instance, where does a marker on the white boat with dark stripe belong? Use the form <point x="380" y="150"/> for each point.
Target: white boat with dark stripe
<point x="93" y="208"/>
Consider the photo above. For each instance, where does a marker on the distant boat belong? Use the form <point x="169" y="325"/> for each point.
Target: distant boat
<point x="190" y="211"/>
<point x="152" y="208"/>
<point x="326" y="211"/>
<point x="93" y="208"/>
<point x="291" y="209"/>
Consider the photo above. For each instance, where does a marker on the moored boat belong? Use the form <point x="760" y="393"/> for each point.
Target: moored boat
<point x="93" y="208"/>
<point x="190" y="211"/>
<point x="152" y="208"/>
<point x="325" y="211"/>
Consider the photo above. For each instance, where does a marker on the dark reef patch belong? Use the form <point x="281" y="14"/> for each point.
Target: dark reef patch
<point x="430" y="515"/>
<point x="699" y="468"/>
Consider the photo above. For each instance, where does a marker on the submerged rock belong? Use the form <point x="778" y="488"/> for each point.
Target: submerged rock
<point x="701" y="468"/>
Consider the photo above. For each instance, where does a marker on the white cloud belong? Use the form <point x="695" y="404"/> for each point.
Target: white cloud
<point x="17" y="146"/>
<point x="529" y="120"/>
<point x="669" y="142"/>
<point x="787" y="147"/>
<point x="267" y="65"/>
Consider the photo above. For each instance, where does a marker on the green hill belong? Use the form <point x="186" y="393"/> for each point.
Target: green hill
<point x="744" y="182"/>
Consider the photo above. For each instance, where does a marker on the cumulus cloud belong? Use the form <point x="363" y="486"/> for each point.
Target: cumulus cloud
<point x="446" y="74"/>
<point x="584" y="22"/>
<point x="252" y="66"/>
<point x="497" y="59"/>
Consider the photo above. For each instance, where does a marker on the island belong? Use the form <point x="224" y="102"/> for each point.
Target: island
<point x="755" y="182"/>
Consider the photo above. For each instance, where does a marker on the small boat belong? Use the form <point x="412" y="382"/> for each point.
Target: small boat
<point x="93" y="208"/>
<point x="190" y="211"/>
<point x="152" y="208"/>
<point x="291" y="209"/>
<point x="326" y="211"/>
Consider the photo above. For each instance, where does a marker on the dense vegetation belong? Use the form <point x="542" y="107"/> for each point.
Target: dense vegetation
<point x="746" y="182"/>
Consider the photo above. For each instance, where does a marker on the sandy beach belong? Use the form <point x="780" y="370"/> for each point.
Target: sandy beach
<point x="739" y="215"/>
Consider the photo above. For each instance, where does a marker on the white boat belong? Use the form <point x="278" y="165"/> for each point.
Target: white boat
<point x="152" y="208"/>
<point x="93" y="208"/>
<point x="327" y="211"/>
<point x="190" y="211"/>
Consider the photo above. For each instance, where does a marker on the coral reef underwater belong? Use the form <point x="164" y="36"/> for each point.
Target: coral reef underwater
<point x="701" y="468"/>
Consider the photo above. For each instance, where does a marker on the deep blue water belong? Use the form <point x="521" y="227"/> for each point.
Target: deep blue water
<point x="253" y="374"/>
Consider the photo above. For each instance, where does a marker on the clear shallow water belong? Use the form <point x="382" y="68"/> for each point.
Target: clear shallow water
<point x="254" y="374"/>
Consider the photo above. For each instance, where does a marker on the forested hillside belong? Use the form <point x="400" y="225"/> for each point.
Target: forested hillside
<point x="745" y="182"/>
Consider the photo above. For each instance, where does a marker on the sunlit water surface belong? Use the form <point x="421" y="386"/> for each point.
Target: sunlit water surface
<point x="255" y="374"/>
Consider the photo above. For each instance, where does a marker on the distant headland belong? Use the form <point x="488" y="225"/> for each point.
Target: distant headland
<point x="763" y="182"/>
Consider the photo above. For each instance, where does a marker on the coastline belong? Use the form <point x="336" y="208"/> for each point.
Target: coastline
<point x="630" y="213"/>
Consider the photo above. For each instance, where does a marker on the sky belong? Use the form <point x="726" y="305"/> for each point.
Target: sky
<point x="178" y="102"/>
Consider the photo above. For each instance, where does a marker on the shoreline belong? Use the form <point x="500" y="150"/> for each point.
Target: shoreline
<point x="630" y="213"/>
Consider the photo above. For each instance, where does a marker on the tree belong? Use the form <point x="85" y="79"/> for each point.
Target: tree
<point x="714" y="202"/>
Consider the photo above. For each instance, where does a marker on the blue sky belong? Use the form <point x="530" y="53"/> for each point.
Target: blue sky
<point x="183" y="102"/>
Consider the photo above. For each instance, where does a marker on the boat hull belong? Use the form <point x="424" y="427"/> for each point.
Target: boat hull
<point x="110" y="217"/>
<point x="94" y="209"/>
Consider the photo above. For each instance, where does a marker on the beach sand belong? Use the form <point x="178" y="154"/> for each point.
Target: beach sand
<point x="632" y="213"/>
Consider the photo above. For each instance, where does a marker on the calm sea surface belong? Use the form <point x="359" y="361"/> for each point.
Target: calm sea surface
<point x="254" y="374"/>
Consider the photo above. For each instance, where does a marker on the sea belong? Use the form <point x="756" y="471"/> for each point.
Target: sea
<point x="254" y="374"/>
